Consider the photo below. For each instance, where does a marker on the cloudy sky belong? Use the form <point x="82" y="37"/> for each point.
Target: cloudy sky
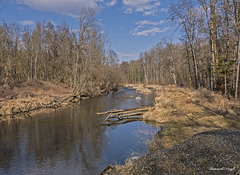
<point x="133" y="26"/>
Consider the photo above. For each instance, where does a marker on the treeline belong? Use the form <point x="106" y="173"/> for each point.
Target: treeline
<point x="45" y="52"/>
<point x="208" y="55"/>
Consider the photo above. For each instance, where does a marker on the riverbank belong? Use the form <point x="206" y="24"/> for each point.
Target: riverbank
<point x="210" y="152"/>
<point x="141" y="88"/>
<point x="182" y="113"/>
<point x="26" y="97"/>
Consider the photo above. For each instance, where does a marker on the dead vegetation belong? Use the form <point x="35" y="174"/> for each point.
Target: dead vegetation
<point x="25" y="97"/>
<point x="182" y="112"/>
<point x="140" y="88"/>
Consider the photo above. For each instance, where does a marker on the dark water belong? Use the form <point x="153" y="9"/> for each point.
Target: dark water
<point x="67" y="141"/>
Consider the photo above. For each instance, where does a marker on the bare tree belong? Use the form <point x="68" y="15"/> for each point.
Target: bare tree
<point x="185" y="15"/>
<point x="235" y="9"/>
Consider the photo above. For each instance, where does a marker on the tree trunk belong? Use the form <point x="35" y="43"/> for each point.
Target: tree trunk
<point x="212" y="44"/>
<point x="189" y="66"/>
<point x="173" y="69"/>
<point x="195" y="66"/>
<point x="75" y="71"/>
<point x="145" y="73"/>
<point x="237" y="73"/>
<point x="212" y="62"/>
<point x="35" y="67"/>
<point x="227" y="45"/>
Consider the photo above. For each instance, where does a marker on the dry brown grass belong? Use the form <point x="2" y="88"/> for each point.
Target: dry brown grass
<point x="182" y="112"/>
<point x="42" y="88"/>
<point x="32" y="95"/>
<point x="141" y="88"/>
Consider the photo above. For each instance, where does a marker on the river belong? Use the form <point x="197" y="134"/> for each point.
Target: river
<point x="68" y="141"/>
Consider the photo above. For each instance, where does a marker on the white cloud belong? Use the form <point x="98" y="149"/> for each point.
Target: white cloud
<point x="112" y="3"/>
<point x="27" y="22"/>
<point x="163" y="10"/>
<point x="146" y="22"/>
<point x="127" y="56"/>
<point x="128" y="10"/>
<point x="136" y="3"/>
<point x="148" y="28"/>
<point x="147" y="7"/>
<point x="151" y="32"/>
<point x="73" y="7"/>
<point x="69" y="7"/>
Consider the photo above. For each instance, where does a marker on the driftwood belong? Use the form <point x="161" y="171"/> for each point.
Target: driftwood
<point x="120" y="111"/>
<point x="124" y="121"/>
<point x="115" y="111"/>
<point x="122" y="116"/>
<point x="129" y="115"/>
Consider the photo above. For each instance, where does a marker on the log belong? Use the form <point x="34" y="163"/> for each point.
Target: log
<point x="72" y="96"/>
<point x="113" y="111"/>
<point x="123" y="115"/>
<point x="120" y="122"/>
<point x="132" y="111"/>
<point x="130" y="115"/>
<point x="123" y="110"/>
<point x="107" y="117"/>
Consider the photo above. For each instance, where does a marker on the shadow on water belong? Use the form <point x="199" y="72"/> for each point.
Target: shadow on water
<point x="67" y="141"/>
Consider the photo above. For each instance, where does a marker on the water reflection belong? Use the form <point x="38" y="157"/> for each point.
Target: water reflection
<point x="68" y="141"/>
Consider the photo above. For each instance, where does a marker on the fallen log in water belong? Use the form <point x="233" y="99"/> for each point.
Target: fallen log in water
<point x="129" y="110"/>
<point x="122" y="116"/>
<point x="130" y="115"/>
<point x="116" y="111"/>
<point x="120" y="122"/>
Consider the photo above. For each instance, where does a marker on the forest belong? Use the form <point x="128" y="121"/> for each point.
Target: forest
<point x="81" y="59"/>
<point x="208" y="55"/>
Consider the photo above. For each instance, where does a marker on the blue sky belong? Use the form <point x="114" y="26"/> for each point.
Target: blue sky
<point x="133" y="26"/>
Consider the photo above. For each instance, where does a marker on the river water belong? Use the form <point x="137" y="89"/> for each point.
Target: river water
<point x="67" y="141"/>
